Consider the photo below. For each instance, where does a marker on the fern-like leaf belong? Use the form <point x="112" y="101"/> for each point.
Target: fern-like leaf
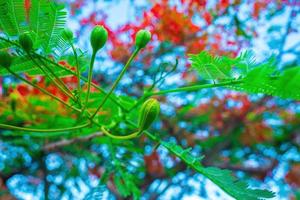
<point x="255" y="78"/>
<point x="57" y="17"/>
<point x="210" y="67"/>
<point x="288" y="84"/>
<point x="237" y="189"/>
<point x="219" y="68"/>
<point x="12" y="17"/>
<point x="47" y="20"/>
<point x="222" y="178"/>
<point x="23" y="64"/>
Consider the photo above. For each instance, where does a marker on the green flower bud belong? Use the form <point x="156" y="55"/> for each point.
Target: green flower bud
<point x="142" y="38"/>
<point x="148" y="113"/>
<point x="26" y="42"/>
<point x="98" y="37"/>
<point x="5" y="59"/>
<point x="67" y="34"/>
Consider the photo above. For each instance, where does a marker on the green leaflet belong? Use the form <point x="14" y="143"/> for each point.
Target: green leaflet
<point x="24" y="65"/>
<point x="125" y="184"/>
<point x="222" y="178"/>
<point x="21" y="64"/>
<point x="256" y="78"/>
<point x="46" y="20"/>
<point x="53" y="35"/>
<point x="218" y="68"/>
<point x="260" y="80"/>
<point x="288" y="84"/>
<point x="209" y="67"/>
<point x="237" y="189"/>
<point x="12" y="17"/>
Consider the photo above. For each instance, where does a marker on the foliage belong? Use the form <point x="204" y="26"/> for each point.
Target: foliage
<point x="254" y="78"/>
<point x="53" y="110"/>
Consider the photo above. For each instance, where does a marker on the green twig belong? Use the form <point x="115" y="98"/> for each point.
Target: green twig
<point x="195" y="87"/>
<point x="42" y="90"/>
<point x="77" y="73"/>
<point x="89" y="80"/>
<point x="50" y="77"/>
<point x="120" y="137"/>
<point x="116" y="81"/>
<point x="67" y="70"/>
<point x="58" y="79"/>
<point x="82" y="78"/>
<point x="17" y="128"/>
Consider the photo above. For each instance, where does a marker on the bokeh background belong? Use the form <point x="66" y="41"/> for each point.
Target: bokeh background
<point x="255" y="136"/>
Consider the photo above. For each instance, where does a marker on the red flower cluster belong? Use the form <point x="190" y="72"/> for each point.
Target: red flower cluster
<point x="233" y="109"/>
<point x="292" y="177"/>
<point x="153" y="164"/>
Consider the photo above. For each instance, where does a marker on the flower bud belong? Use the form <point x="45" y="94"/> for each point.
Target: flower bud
<point x="148" y="113"/>
<point x="67" y="34"/>
<point x="142" y="38"/>
<point x="5" y="59"/>
<point x="98" y="37"/>
<point x="26" y="42"/>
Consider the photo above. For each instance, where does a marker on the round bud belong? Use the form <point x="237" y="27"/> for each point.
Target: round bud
<point x="5" y="59"/>
<point x="142" y="38"/>
<point x="148" y="113"/>
<point x="98" y="37"/>
<point x="67" y="34"/>
<point x="26" y="42"/>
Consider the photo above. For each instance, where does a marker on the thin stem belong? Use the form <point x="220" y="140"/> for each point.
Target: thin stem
<point x="183" y="89"/>
<point x="89" y="80"/>
<point x="42" y="90"/>
<point x="11" y="127"/>
<point x="195" y="87"/>
<point x="150" y="135"/>
<point x="116" y="81"/>
<point x="82" y="78"/>
<point x="119" y="137"/>
<point x="58" y="79"/>
<point x="69" y="71"/>
<point x="8" y="41"/>
<point x="77" y="73"/>
<point x="46" y="74"/>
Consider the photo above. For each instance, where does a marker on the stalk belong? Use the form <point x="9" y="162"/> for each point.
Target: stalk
<point x="116" y="81"/>
<point x="42" y="90"/>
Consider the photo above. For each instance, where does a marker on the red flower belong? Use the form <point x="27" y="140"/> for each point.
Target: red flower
<point x="207" y="17"/>
<point x="153" y="165"/>
<point x="23" y="89"/>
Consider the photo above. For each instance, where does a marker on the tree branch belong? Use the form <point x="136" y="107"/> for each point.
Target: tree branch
<point x="61" y="143"/>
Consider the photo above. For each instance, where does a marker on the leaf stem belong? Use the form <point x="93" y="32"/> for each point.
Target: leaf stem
<point x="42" y="90"/>
<point x="67" y="70"/>
<point x="195" y="87"/>
<point x="90" y="74"/>
<point x="119" y="137"/>
<point x="136" y="51"/>
<point x="77" y="73"/>
<point x="82" y="78"/>
<point x="57" y="78"/>
<point x="49" y="76"/>
<point x="11" y="127"/>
